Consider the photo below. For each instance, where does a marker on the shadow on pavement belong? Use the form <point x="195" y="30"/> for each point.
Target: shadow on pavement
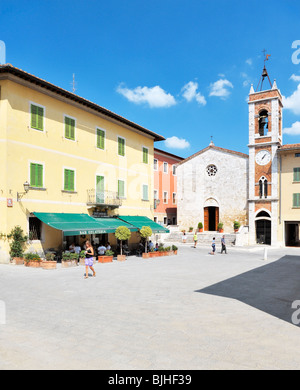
<point x="271" y="288"/>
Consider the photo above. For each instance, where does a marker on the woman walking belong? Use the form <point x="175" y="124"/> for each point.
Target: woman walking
<point x="89" y="259"/>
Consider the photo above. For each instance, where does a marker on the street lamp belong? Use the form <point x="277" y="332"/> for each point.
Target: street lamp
<point x="26" y="186"/>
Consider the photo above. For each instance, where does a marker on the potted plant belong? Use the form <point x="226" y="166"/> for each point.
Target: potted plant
<point x="146" y="232"/>
<point x="122" y="233"/>
<point x="32" y="260"/>
<point x="191" y="229"/>
<point x="107" y="257"/>
<point x="174" y="249"/>
<point x="220" y="227"/>
<point x="69" y="259"/>
<point x="236" y="226"/>
<point x="200" y="227"/>
<point x="82" y="257"/>
<point x="17" y="245"/>
<point x="49" y="262"/>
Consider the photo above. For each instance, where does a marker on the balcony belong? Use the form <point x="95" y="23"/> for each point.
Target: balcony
<point x="107" y="199"/>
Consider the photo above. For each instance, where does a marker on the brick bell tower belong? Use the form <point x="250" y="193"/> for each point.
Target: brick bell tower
<point x="265" y="136"/>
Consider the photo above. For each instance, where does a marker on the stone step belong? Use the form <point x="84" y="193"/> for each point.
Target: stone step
<point x="203" y="238"/>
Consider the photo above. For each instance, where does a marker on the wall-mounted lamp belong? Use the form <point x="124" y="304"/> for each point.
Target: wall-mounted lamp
<point x="20" y="195"/>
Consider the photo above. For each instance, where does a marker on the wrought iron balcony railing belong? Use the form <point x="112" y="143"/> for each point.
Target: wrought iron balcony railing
<point x="103" y="198"/>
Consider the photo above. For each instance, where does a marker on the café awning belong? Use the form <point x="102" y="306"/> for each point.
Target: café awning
<point x="81" y="224"/>
<point x="140" y="221"/>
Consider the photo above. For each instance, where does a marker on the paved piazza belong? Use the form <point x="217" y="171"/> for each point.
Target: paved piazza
<point x="190" y="311"/>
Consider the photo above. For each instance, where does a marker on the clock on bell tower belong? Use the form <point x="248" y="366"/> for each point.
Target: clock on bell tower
<point x="265" y="136"/>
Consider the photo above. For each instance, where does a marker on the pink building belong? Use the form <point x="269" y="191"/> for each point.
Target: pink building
<point x="165" y="187"/>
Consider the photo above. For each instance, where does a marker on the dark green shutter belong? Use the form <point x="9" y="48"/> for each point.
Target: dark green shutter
<point x="99" y="189"/>
<point x="69" y="180"/>
<point x="70" y="128"/>
<point x="145" y="155"/>
<point x="100" y="138"/>
<point x="296" y="174"/>
<point x="121" y="146"/>
<point x="36" y="175"/>
<point x="37" y="117"/>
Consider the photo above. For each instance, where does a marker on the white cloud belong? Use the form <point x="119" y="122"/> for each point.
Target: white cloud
<point x="292" y="102"/>
<point x="294" y="77"/>
<point x="293" y="130"/>
<point x="220" y="88"/>
<point x="189" y="92"/>
<point x="155" y="96"/>
<point x="176" y="143"/>
<point x="249" y="61"/>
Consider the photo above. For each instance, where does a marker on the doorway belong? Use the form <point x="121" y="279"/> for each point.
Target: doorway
<point x="263" y="231"/>
<point x="211" y="218"/>
<point x="292" y="234"/>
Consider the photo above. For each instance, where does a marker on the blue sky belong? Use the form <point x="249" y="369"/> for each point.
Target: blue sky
<point x="181" y="68"/>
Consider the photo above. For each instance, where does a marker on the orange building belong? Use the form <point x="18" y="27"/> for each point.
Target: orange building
<point x="165" y="187"/>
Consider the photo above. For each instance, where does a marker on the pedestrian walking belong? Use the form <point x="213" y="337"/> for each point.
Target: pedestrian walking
<point x="89" y="259"/>
<point x="213" y="246"/>
<point x="184" y="237"/>
<point x="223" y="245"/>
<point x="195" y="238"/>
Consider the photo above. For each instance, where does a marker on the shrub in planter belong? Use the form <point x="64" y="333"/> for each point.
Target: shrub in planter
<point x="17" y="244"/>
<point x="236" y="226"/>
<point x="69" y="259"/>
<point x="146" y="232"/>
<point x="122" y="233"/>
<point x="200" y="227"/>
<point x="174" y="249"/>
<point x="107" y="257"/>
<point x="220" y="227"/>
<point x="32" y="260"/>
<point x="49" y="262"/>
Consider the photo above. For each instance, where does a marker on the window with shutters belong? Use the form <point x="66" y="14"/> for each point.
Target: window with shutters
<point x="145" y="155"/>
<point x="70" y="128"/>
<point x="37" y="117"/>
<point x="121" y="146"/>
<point x="145" y="192"/>
<point x="296" y="175"/>
<point x="100" y="139"/>
<point x="69" y="180"/>
<point x="296" y="200"/>
<point x="121" y="189"/>
<point x="36" y="175"/>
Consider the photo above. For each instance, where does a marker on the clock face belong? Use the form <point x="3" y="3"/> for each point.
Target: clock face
<point x="263" y="157"/>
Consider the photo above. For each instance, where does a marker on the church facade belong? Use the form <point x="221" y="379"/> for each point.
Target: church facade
<point x="260" y="190"/>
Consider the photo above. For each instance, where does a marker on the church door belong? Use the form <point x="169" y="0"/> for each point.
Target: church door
<point x="211" y="218"/>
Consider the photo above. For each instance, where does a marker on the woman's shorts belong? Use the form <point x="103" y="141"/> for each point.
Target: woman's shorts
<point x="89" y="261"/>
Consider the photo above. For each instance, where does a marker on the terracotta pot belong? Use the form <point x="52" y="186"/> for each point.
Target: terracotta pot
<point x="34" y="264"/>
<point x="18" y="260"/>
<point x="68" y="263"/>
<point x="221" y="230"/>
<point x="49" y="264"/>
<point x="145" y="255"/>
<point x="121" y="257"/>
<point x="105" y="259"/>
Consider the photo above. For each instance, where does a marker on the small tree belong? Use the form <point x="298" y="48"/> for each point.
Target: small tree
<point x="122" y="233"/>
<point x="146" y="232"/>
<point x="18" y="239"/>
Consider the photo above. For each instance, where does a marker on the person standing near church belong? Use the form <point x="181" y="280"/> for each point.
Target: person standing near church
<point x="195" y="238"/>
<point x="213" y="246"/>
<point x="223" y="245"/>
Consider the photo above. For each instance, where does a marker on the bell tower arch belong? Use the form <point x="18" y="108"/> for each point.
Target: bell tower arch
<point x="265" y="136"/>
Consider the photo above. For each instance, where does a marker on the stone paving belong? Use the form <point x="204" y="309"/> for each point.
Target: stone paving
<point x="192" y="311"/>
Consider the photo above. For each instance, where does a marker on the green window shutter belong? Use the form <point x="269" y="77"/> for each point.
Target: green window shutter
<point x="296" y="174"/>
<point x="121" y="189"/>
<point x="36" y="175"/>
<point x="37" y="117"/>
<point x="70" y="128"/>
<point x="99" y="189"/>
<point x="145" y="192"/>
<point x="100" y="138"/>
<point x="69" y="180"/>
<point x="121" y="146"/>
<point x="145" y="155"/>
<point x="296" y="200"/>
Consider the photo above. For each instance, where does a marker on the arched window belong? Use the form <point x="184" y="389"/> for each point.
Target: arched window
<point x="263" y="187"/>
<point x="263" y="122"/>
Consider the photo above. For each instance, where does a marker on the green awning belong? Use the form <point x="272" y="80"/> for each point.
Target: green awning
<point x="78" y="224"/>
<point x="139" y="222"/>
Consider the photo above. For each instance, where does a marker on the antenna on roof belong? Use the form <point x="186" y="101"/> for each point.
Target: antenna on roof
<point x="73" y="84"/>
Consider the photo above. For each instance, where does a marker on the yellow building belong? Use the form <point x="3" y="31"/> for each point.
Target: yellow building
<point x="289" y="195"/>
<point x="76" y="156"/>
